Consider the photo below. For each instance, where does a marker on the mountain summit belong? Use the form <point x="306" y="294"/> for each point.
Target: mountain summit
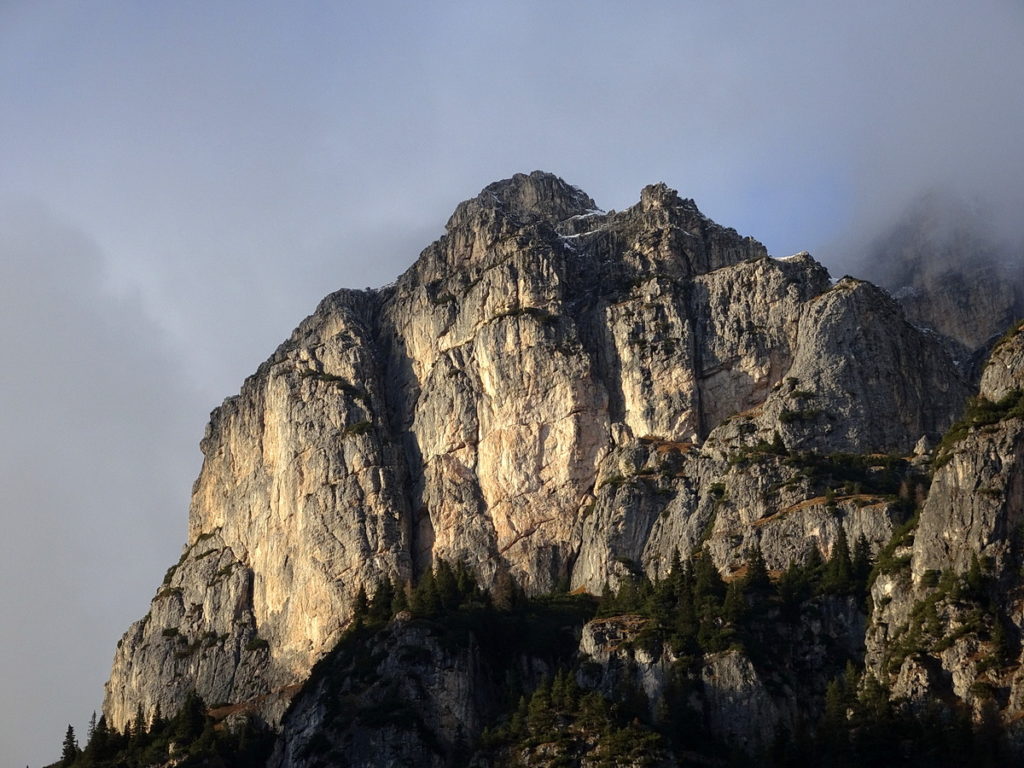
<point x="556" y="399"/>
<point x="537" y="195"/>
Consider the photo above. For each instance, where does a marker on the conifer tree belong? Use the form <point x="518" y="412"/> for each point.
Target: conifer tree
<point x="606" y="603"/>
<point x="360" y="605"/>
<point x="861" y="560"/>
<point x="380" y="608"/>
<point x="813" y="563"/>
<point x="834" y="730"/>
<point x="466" y="582"/>
<point x="662" y="601"/>
<point x="558" y="690"/>
<point x="756" y="580"/>
<point x="677" y="575"/>
<point x="851" y="678"/>
<point x="518" y="721"/>
<point x="1000" y="642"/>
<point x="684" y="627"/>
<point x="190" y="722"/>
<point x="794" y="587"/>
<point x="735" y="605"/>
<point x="630" y="698"/>
<point x="139" y="729"/>
<point x="70" y="749"/>
<point x="708" y="587"/>
<point x="157" y="724"/>
<point x="425" y="600"/>
<point x="838" y="576"/>
<point x="505" y="594"/>
<point x="592" y="710"/>
<point x="627" y="599"/>
<point x="540" y="716"/>
<point x="570" y="693"/>
<point x="778" y="446"/>
<point x="100" y="744"/>
<point x="447" y="585"/>
<point x="975" y="580"/>
<point x="400" y="602"/>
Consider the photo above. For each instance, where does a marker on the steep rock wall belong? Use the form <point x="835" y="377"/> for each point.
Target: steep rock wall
<point x="948" y="616"/>
<point x="497" y="406"/>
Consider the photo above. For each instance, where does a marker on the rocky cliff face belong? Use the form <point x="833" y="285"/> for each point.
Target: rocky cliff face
<point x="408" y="697"/>
<point x="551" y="394"/>
<point x="948" y="618"/>
<point x="740" y="702"/>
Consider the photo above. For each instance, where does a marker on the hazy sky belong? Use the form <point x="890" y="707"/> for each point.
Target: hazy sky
<point x="181" y="182"/>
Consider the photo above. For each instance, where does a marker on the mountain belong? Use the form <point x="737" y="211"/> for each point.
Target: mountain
<point x="405" y="517"/>
<point x="949" y="273"/>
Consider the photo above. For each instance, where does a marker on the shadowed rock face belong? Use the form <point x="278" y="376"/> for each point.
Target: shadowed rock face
<point x="947" y="625"/>
<point x="549" y="392"/>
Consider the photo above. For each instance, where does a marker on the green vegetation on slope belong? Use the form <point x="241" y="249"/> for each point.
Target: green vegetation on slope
<point x="191" y="737"/>
<point x="549" y="706"/>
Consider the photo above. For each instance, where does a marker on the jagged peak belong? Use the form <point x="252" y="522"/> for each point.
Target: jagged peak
<point x="537" y="195"/>
<point x="661" y="195"/>
<point x="540" y="194"/>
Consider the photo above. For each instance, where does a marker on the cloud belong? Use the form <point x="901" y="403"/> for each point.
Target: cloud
<point x="257" y="158"/>
<point x="99" y="447"/>
<point x="207" y="172"/>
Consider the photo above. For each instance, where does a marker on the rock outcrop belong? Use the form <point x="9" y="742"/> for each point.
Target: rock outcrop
<point x="551" y="394"/>
<point x="407" y="697"/>
<point x="948" y="620"/>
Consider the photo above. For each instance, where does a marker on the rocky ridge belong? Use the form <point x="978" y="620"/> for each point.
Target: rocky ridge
<point x="560" y="397"/>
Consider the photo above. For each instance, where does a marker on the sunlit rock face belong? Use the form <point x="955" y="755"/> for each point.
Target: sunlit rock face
<point x="551" y="393"/>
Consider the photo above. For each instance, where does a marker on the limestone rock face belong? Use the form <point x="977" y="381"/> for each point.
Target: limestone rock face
<point x="949" y="606"/>
<point x="1004" y="372"/>
<point x="200" y="633"/>
<point x="428" y="697"/>
<point x="733" y="700"/>
<point x="871" y="378"/>
<point x="551" y="393"/>
<point x="969" y="308"/>
<point x="975" y="501"/>
<point x="611" y="644"/>
<point x="740" y="697"/>
<point x="304" y="491"/>
<point x="739" y="706"/>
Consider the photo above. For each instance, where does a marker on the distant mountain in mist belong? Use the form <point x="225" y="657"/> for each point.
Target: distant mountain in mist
<point x="949" y="272"/>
